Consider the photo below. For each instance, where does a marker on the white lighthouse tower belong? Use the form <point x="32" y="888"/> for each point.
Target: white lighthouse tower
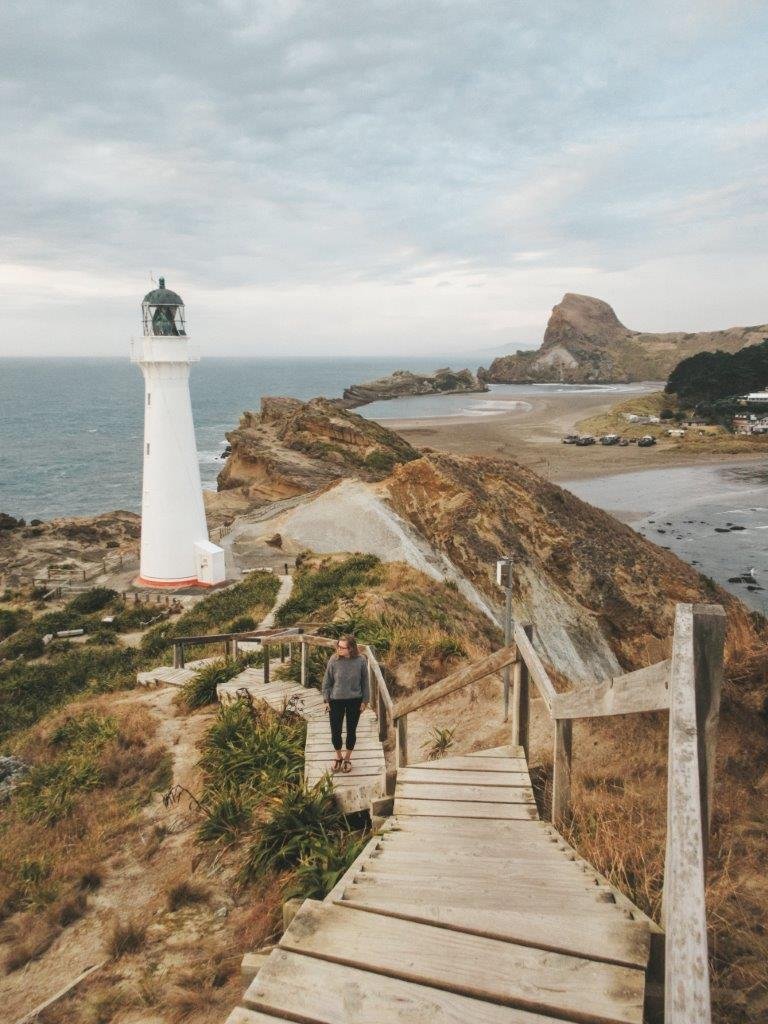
<point x="175" y="550"/>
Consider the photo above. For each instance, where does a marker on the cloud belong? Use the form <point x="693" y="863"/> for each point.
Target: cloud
<point x="350" y="160"/>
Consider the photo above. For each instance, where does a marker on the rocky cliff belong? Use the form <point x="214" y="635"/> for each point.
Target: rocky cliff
<point x="585" y="341"/>
<point x="403" y="383"/>
<point x="291" y="447"/>
<point x="602" y="596"/>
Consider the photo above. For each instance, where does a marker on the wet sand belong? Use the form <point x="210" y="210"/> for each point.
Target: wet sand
<point x="533" y="437"/>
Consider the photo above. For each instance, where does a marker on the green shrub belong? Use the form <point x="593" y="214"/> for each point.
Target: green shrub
<point x="250" y="745"/>
<point x="93" y="600"/>
<point x="201" y="688"/>
<point x="242" y="624"/>
<point x="30" y="691"/>
<point x="316" y="589"/>
<point x="104" y="637"/>
<point x="381" y="461"/>
<point x="297" y="817"/>
<point x="25" y="643"/>
<point x="10" y="621"/>
<point x="324" y="862"/>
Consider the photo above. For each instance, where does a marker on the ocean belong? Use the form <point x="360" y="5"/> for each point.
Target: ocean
<point x="71" y="429"/>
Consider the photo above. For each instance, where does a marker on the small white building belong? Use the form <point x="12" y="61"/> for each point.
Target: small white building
<point x="175" y="549"/>
<point x="757" y="397"/>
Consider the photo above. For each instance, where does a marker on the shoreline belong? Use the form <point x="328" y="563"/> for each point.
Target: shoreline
<point x="532" y="437"/>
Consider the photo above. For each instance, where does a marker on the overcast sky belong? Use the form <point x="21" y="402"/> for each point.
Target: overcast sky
<point x="376" y="176"/>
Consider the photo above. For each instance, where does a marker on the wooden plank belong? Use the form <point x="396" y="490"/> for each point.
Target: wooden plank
<point x="529" y="874"/>
<point x="430" y="776"/>
<point x="515" y="830"/>
<point x="470" y="965"/>
<point x="241" y="1015"/>
<point x="596" y="937"/>
<point x="489" y="764"/>
<point x="508" y="750"/>
<point x="463" y="809"/>
<point x="69" y="987"/>
<point x="456" y="680"/>
<point x="401" y="741"/>
<point x="463" y="849"/>
<point x="647" y="689"/>
<point x="696" y="665"/>
<point x="535" y="667"/>
<point x="480" y="794"/>
<point x="561" y="772"/>
<point x="482" y="885"/>
<point x="324" y="992"/>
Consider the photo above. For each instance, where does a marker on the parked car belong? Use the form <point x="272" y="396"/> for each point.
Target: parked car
<point x="646" y="442"/>
<point x="623" y="442"/>
<point x="609" y="439"/>
<point x="571" y="439"/>
<point x="587" y="439"/>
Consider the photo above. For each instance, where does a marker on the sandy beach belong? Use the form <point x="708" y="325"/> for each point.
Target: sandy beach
<point x="533" y="437"/>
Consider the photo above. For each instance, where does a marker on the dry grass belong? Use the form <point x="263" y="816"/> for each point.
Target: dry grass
<point x="126" y="937"/>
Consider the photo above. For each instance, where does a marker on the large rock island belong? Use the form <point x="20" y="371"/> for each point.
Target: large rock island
<point x="291" y="447"/>
<point x="404" y="384"/>
<point x="586" y="342"/>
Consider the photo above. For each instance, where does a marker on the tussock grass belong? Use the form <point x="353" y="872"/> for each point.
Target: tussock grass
<point x="185" y="894"/>
<point x="316" y="590"/>
<point x="126" y="937"/>
<point x="201" y="689"/>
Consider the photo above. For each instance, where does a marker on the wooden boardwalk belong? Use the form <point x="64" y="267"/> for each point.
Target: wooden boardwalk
<point x="464" y="908"/>
<point x="354" y="790"/>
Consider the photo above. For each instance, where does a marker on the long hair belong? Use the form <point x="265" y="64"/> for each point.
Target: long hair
<point x="351" y="644"/>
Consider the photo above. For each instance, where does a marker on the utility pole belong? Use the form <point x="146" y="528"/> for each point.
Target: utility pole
<point x="504" y="579"/>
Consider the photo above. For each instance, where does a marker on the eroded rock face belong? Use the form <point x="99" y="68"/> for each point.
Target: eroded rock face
<point x="291" y="447"/>
<point x="585" y="341"/>
<point x="602" y="596"/>
<point x="403" y="383"/>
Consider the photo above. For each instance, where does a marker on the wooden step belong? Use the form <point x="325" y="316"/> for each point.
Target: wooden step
<point x="487" y="891"/>
<point x="466" y="777"/>
<point x="322" y="992"/>
<point x="470" y="965"/>
<point x="464" y="809"/>
<point x="473" y="764"/>
<point x="597" y="937"/>
<point x="477" y="794"/>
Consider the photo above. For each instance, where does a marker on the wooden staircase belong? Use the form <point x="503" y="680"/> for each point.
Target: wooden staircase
<point x="464" y="908"/>
<point x="355" y="790"/>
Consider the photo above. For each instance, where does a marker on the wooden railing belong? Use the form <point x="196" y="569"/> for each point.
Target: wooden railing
<point x="689" y="687"/>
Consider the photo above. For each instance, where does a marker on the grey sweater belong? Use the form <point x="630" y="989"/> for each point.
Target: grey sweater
<point x="346" y="679"/>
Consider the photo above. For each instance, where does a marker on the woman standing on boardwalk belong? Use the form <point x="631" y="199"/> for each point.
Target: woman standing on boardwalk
<point x="346" y="695"/>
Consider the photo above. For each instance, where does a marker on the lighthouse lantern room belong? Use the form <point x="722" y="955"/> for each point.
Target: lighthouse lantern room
<point x="175" y="549"/>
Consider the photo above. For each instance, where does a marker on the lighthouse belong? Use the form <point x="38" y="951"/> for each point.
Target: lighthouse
<point x="175" y="549"/>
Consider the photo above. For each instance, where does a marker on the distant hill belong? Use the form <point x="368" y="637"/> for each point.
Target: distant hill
<point x="586" y="342"/>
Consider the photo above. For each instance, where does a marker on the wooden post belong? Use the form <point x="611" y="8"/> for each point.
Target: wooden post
<point x="282" y="653"/>
<point x="561" y="775"/>
<point x="695" y="683"/>
<point x="265" y="649"/>
<point x="521" y="696"/>
<point x="181" y="655"/>
<point x="303" y="662"/>
<point x="176" y="656"/>
<point x="401" y="725"/>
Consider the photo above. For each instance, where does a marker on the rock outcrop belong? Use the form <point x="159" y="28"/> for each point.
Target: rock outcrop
<point x="27" y="549"/>
<point x="601" y="595"/>
<point x="586" y="342"/>
<point x="291" y="447"/>
<point x="403" y="384"/>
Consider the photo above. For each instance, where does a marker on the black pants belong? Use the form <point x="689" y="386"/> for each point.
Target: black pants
<point x="340" y="708"/>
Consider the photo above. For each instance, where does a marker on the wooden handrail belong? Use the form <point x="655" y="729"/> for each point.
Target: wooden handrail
<point x="647" y="689"/>
<point x="695" y="684"/>
<point x="535" y="667"/>
<point x="456" y="680"/>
